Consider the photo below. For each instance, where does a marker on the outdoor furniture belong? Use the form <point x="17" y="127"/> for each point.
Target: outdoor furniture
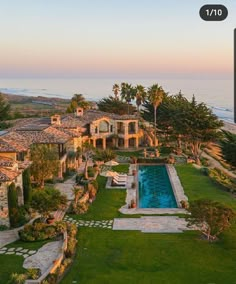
<point x="119" y="179"/>
<point x="118" y="183"/>
<point x="115" y="174"/>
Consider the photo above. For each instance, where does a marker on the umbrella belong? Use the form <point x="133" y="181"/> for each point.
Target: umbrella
<point x="111" y="163"/>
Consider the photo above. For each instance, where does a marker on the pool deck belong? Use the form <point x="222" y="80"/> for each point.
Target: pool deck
<point x="152" y="224"/>
<point x="132" y="195"/>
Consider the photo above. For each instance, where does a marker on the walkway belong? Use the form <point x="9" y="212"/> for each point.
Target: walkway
<point x="9" y="236"/>
<point x="66" y="188"/>
<point x="104" y="224"/>
<point x="17" y="251"/>
<point x="145" y="224"/>
<point x="44" y="257"/>
<point x="152" y="224"/>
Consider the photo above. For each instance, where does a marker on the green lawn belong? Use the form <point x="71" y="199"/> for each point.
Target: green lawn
<point x="14" y="263"/>
<point x="10" y="264"/>
<point x="122" y="168"/>
<point x="130" y="154"/>
<point x="197" y="186"/>
<point x="106" y="256"/>
<point x="106" y="204"/>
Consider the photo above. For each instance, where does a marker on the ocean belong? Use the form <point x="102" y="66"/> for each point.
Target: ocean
<point x="217" y="94"/>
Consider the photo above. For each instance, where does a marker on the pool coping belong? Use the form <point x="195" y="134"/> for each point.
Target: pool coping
<point x="133" y="194"/>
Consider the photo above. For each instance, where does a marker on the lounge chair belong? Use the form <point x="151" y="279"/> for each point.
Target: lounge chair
<point x="115" y="174"/>
<point x="120" y="179"/>
<point x="118" y="183"/>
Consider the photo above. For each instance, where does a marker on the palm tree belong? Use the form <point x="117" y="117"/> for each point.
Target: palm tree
<point x="155" y="96"/>
<point x="140" y="95"/>
<point x="86" y="150"/>
<point x="127" y="93"/>
<point x="116" y="90"/>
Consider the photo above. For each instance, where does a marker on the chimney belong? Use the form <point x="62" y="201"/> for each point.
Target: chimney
<point x="79" y="112"/>
<point x="56" y="119"/>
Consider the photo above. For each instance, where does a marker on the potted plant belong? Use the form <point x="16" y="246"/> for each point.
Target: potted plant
<point x="50" y="219"/>
<point x="133" y="185"/>
<point x="133" y="203"/>
<point x="184" y="204"/>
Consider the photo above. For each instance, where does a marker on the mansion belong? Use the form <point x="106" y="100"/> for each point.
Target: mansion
<point x="64" y="133"/>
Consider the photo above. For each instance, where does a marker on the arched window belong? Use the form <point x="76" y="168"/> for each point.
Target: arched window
<point x="103" y="126"/>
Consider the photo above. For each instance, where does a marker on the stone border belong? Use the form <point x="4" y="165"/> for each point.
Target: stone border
<point x="178" y="192"/>
<point x="176" y="184"/>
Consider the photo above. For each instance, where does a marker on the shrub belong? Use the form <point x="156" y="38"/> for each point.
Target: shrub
<point x="152" y="160"/>
<point x="37" y="232"/>
<point x="91" y="172"/>
<point x="17" y="278"/>
<point x="71" y="243"/>
<point x="95" y="184"/>
<point x="223" y="179"/>
<point x="33" y="273"/>
<point x="78" y="178"/>
<point x="3" y="227"/>
<point x="80" y="208"/>
<point x="205" y="171"/>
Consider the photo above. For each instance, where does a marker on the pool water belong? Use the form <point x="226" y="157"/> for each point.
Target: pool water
<point x="155" y="190"/>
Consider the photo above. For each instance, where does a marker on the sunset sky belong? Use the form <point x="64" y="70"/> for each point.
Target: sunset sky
<point x="107" y="38"/>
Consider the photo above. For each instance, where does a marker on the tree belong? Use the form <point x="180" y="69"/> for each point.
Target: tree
<point x="45" y="163"/>
<point x="104" y="155"/>
<point x="201" y="127"/>
<point x="127" y="93"/>
<point x="27" y="189"/>
<point x="45" y="201"/>
<point x="4" y="108"/>
<point x="192" y="122"/>
<point x="140" y="95"/>
<point x="86" y="150"/>
<point x="112" y="105"/>
<point x="116" y="90"/>
<point x="78" y="100"/>
<point x="12" y="204"/>
<point x="210" y="217"/>
<point x="155" y="96"/>
<point x="228" y="147"/>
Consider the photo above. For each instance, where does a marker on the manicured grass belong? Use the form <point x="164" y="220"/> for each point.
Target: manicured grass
<point x="106" y="256"/>
<point x="198" y="186"/>
<point x="130" y="154"/>
<point x="14" y="263"/>
<point x="28" y="245"/>
<point x="107" y="203"/>
<point x="10" y="264"/>
<point x="122" y="168"/>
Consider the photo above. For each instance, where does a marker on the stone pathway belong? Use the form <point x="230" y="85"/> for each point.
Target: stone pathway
<point x="8" y="236"/>
<point x="44" y="257"/>
<point x="152" y="224"/>
<point x="18" y="251"/>
<point x="104" y="224"/>
<point x="66" y="188"/>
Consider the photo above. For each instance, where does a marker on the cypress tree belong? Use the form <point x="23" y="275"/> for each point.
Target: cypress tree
<point x="12" y="203"/>
<point x="27" y="189"/>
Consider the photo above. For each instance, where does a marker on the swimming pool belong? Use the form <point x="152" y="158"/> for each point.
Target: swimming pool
<point x="155" y="190"/>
